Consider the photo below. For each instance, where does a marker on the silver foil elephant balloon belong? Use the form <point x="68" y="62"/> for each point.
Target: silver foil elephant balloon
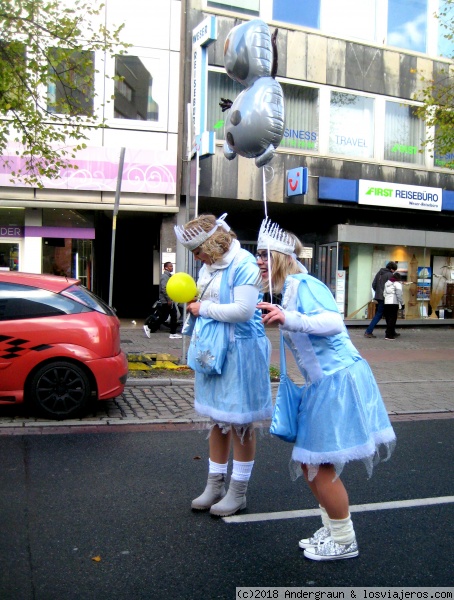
<point x="254" y="125"/>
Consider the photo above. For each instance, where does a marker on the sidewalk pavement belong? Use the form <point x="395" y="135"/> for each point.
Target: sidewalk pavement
<point x="414" y="373"/>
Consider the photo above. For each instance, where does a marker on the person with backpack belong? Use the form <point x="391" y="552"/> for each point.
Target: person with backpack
<point x="165" y="308"/>
<point x="378" y="285"/>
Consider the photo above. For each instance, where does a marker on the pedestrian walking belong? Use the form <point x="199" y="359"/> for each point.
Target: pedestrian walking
<point x="378" y="285"/>
<point x="229" y="285"/>
<point x="341" y="415"/>
<point x="166" y="307"/>
<point x="393" y="300"/>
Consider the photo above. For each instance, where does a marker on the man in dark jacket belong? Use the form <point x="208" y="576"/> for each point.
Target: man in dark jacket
<point x="378" y="285"/>
<point x="167" y="306"/>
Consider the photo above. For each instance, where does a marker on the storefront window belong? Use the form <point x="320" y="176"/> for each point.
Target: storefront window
<point x="407" y="24"/>
<point x="349" y="18"/>
<point x="445" y="23"/>
<point x="443" y="161"/>
<point x="248" y="7"/>
<point x="220" y="85"/>
<point x="351" y="125"/>
<point x="9" y="256"/>
<point x="306" y="14"/>
<point x="301" y="117"/>
<point x="404" y="132"/>
<point x="134" y="90"/>
<point x="71" y="83"/>
<point x="68" y="257"/>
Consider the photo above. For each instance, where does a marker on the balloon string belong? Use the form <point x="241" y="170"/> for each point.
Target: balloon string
<point x="264" y="191"/>
<point x="268" y="246"/>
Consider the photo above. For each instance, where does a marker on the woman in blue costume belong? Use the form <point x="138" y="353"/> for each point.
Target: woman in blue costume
<point x="229" y="286"/>
<point x="341" y="416"/>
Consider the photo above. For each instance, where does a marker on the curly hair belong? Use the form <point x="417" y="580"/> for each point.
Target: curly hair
<point x="217" y="244"/>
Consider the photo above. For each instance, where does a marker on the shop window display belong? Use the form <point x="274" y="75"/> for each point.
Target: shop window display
<point x="220" y="85"/>
<point x="71" y="86"/>
<point x="407" y="24"/>
<point x="9" y="256"/>
<point x="301" y="117"/>
<point x="404" y="132"/>
<point x="69" y="258"/>
<point x="351" y="125"/>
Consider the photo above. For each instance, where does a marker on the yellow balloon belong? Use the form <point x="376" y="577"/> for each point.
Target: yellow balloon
<point x="181" y="287"/>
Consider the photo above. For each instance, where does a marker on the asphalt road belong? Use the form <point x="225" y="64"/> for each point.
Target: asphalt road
<point x="124" y="500"/>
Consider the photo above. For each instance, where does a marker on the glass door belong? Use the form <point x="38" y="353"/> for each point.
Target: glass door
<point x="327" y="260"/>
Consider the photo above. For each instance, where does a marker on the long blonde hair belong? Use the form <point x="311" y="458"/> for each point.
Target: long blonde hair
<point x="283" y="265"/>
<point x="217" y="244"/>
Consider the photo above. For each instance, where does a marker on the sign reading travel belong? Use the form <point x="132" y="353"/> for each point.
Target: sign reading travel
<point x="397" y="195"/>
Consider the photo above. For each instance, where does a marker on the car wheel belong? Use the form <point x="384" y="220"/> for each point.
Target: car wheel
<point x="60" y="390"/>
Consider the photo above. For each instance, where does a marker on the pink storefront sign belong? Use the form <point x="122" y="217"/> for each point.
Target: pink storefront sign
<point x="144" y="171"/>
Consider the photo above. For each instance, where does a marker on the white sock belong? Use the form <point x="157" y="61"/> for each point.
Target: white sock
<point x="214" y="467"/>
<point x="342" y="530"/>
<point x="325" y="518"/>
<point x="242" y="470"/>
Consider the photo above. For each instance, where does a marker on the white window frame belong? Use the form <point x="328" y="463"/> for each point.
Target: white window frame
<point x="160" y="91"/>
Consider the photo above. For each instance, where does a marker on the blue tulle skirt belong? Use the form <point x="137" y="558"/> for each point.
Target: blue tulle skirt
<point x="342" y="418"/>
<point x="242" y="393"/>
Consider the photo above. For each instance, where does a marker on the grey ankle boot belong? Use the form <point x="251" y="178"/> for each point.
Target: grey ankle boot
<point x="234" y="500"/>
<point x="214" y="491"/>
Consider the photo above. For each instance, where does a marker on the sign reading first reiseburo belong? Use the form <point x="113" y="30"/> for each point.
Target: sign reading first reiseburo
<point x="202" y="36"/>
<point x="397" y="195"/>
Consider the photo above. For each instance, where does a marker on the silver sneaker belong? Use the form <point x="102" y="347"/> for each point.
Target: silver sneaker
<point x="331" y="550"/>
<point x="147" y="331"/>
<point x="319" y="537"/>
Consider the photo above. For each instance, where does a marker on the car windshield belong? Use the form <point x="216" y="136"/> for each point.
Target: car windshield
<point x="80" y="294"/>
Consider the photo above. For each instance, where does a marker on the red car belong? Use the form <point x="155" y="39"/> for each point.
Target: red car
<point x="59" y="345"/>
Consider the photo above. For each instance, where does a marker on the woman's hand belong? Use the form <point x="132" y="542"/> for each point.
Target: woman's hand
<point x="194" y="308"/>
<point x="273" y="314"/>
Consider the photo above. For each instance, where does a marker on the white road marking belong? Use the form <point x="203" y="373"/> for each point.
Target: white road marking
<point x="314" y="512"/>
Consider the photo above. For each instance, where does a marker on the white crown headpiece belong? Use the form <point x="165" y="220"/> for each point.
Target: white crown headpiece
<point x="272" y="237"/>
<point x="195" y="236"/>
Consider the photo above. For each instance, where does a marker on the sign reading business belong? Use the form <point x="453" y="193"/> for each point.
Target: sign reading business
<point x="397" y="195"/>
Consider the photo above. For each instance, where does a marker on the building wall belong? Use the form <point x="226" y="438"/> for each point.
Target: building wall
<point x="349" y="66"/>
<point x="150" y="189"/>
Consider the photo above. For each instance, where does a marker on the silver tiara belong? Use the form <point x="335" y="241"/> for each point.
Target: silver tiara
<point x="195" y="236"/>
<point x="272" y="237"/>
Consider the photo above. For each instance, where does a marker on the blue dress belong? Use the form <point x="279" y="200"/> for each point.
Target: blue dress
<point x="241" y="394"/>
<point x="342" y="416"/>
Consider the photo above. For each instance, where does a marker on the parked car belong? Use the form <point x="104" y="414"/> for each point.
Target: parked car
<point x="59" y="345"/>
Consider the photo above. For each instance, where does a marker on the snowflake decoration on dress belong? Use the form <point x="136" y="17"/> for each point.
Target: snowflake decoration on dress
<point x="205" y="359"/>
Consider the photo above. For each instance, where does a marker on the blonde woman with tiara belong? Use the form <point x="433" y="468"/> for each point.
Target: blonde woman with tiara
<point x="229" y="287"/>
<point x="341" y="415"/>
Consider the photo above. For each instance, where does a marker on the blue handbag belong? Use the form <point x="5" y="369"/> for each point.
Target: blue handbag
<point x="208" y="347"/>
<point x="284" y="422"/>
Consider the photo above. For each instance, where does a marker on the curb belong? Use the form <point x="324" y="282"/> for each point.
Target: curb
<point x="162" y="382"/>
<point x="157" y="382"/>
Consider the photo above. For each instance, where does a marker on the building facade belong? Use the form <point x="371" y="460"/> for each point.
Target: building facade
<point x="350" y="73"/>
<point x="66" y="227"/>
